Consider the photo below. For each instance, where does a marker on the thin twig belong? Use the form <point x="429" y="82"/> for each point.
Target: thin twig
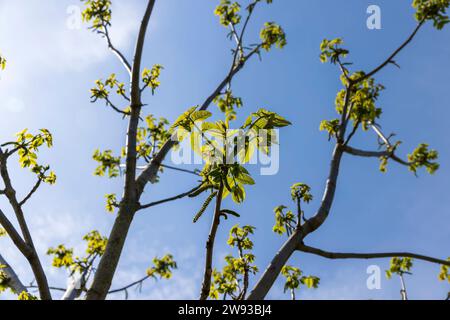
<point x="392" y="56"/>
<point x="121" y="57"/>
<point x="30" y="194"/>
<point x="177" y="197"/>
<point x="181" y="170"/>
<point x="110" y="104"/>
<point x="130" y="285"/>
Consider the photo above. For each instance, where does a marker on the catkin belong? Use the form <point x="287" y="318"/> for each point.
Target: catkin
<point x="204" y="206"/>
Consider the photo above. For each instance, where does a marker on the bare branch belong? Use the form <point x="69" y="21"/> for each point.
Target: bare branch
<point x="354" y="130"/>
<point x="338" y="255"/>
<point x="14" y="235"/>
<point x="344" y="70"/>
<point x="51" y="288"/>
<point x="110" y="259"/>
<point x="234" y="70"/>
<point x="177" y="197"/>
<point x="392" y="56"/>
<point x="206" y="285"/>
<point x="344" y="116"/>
<point x="110" y="104"/>
<point x="138" y="282"/>
<point x="181" y="170"/>
<point x="32" y="192"/>
<point x="375" y="154"/>
<point x="119" y="55"/>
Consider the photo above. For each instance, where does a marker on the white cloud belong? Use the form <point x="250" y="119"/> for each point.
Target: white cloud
<point x="37" y="35"/>
<point x="37" y="42"/>
<point x="14" y="105"/>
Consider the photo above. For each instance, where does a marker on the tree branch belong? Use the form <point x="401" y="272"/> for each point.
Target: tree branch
<point x="32" y="192"/>
<point x="339" y="255"/>
<point x="392" y="56"/>
<point x="177" y="197"/>
<point x="119" y="55"/>
<point x="267" y="280"/>
<point x="350" y="136"/>
<point x="110" y="259"/>
<point x="375" y="154"/>
<point x="181" y="170"/>
<point x="13" y="280"/>
<point x="51" y="288"/>
<point x="110" y="104"/>
<point x="14" y="235"/>
<point x="344" y="118"/>
<point x="25" y="245"/>
<point x="206" y="285"/>
<point x="130" y="285"/>
<point x="271" y="273"/>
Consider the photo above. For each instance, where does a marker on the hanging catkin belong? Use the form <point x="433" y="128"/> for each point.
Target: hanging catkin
<point x="205" y="206"/>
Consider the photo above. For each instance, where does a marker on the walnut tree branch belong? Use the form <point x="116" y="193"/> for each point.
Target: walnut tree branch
<point x="32" y="192"/>
<point x="119" y="54"/>
<point x="206" y="284"/>
<point x="138" y="282"/>
<point x="109" y="261"/>
<point x="180" y="170"/>
<point x="177" y="197"/>
<point x="375" y="154"/>
<point x="390" y="59"/>
<point x="13" y="281"/>
<point x="23" y="242"/>
<point x="340" y="255"/>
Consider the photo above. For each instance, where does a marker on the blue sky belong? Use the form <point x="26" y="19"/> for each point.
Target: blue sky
<point x="52" y="67"/>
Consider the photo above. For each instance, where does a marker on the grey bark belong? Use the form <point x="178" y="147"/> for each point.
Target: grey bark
<point x="129" y="206"/>
<point x="13" y="280"/>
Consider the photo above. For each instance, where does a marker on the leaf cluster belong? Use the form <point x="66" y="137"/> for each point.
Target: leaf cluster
<point x="294" y="279"/>
<point x="287" y="221"/>
<point x="234" y="274"/>
<point x="28" y="146"/>
<point x="422" y="156"/>
<point x="151" y="77"/>
<point x="434" y="10"/>
<point x="2" y="63"/>
<point x="399" y="266"/>
<point x="98" y="13"/>
<point x="162" y="268"/>
<point x="332" y="51"/>
<point x="63" y="257"/>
